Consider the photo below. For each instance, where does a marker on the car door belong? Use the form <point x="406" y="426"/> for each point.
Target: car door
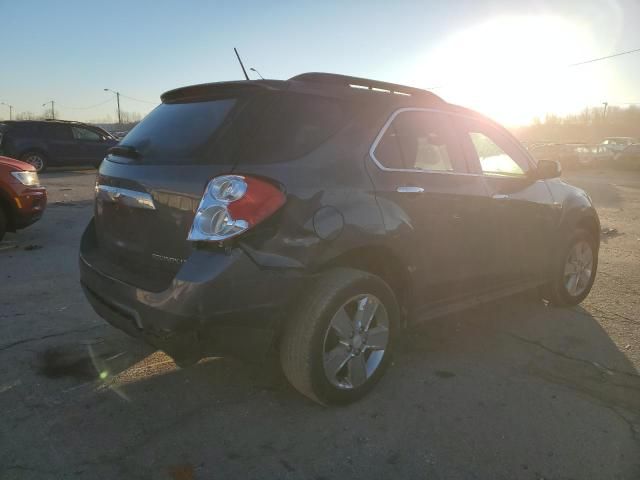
<point x="62" y="147"/>
<point x="92" y="145"/>
<point x="522" y="214"/>
<point x="430" y="205"/>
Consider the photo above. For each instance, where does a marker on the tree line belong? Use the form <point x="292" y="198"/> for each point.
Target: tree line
<point x="591" y="125"/>
<point x="127" y="118"/>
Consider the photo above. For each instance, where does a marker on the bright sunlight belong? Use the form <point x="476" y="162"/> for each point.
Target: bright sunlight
<point x="515" y="68"/>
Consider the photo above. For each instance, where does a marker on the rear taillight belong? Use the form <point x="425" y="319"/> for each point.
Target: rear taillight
<point x="231" y="205"/>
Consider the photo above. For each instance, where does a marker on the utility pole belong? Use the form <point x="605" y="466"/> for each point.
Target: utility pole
<point x="53" y="108"/>
<point x="604" y="112"/>
<point x="10" y="109"/>
<point x="118" y="101"/>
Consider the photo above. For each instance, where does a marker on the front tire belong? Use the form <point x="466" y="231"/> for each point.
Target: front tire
<point x="574" y="271"/>
<point x="338" y="342"/>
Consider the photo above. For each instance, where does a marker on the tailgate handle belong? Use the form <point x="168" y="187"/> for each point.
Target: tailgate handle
<point x="124" y="196"/>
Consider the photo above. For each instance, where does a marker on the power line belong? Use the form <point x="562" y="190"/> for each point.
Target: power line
<point x="87" y="108"/>
<point x="605" y="58"/>
<point x="570" y="65"/>
<point x="138" y="100"/>
<point x="624" y="103"/>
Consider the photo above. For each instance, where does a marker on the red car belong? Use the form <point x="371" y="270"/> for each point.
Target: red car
<point x="22" y="199"/>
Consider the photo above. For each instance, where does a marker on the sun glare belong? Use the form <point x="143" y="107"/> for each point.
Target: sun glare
<point x="515" y="68"/>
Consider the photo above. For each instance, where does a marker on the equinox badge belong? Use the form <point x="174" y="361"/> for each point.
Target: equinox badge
<point x="164" y="258"/>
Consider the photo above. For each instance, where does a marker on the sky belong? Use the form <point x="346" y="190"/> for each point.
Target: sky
<point x="508" y="59"/>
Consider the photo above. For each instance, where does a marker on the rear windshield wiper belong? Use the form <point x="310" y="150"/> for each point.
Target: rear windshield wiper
<point x="125" y="151"/>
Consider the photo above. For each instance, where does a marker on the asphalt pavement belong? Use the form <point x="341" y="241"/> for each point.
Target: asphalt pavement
<point x="511" y="390"/>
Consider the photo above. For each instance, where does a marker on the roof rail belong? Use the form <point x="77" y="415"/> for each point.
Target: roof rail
<point x="363" y="83"/>
<point x="60" y="120"/>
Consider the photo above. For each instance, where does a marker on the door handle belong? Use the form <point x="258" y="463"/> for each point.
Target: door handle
<point x="408" y="189"/>
<point x="501" y="196"/>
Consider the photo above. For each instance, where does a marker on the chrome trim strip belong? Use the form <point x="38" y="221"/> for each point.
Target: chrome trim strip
<point x="124" y="196"/>
<point x="410" y="189"/>
<point x="412" y="170"/>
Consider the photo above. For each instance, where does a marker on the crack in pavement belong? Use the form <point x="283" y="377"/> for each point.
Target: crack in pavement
<point x="606" y="314"/>
<point x="633" y="430"/>
<point x="601" y="391"/>
<point x="6" y="347"/>
<point x="569" y="357"/>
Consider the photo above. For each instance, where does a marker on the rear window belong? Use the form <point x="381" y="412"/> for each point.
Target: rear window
<point x="176" y="132"/>
<point x="258" y="128"/>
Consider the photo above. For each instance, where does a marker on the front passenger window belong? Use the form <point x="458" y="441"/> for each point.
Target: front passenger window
<point x="85" y="134"/>
<point x="493" y="160"/>
<point x="497" y="153"/>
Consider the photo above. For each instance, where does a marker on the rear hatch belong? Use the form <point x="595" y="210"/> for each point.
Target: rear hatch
<point x="149" y="187"/>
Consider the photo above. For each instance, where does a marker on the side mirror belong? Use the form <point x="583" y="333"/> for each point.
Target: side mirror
<point x="547" y="169"/>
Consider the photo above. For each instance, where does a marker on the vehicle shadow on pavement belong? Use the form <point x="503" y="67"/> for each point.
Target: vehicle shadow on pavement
<point x="66" y="172"/>
<point x="511" y="390"/>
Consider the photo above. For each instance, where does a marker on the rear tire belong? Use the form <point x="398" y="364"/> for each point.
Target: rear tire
<point x="338" y="342"/>
<point x="35" y="158"/>
<point x="574" y="270"/>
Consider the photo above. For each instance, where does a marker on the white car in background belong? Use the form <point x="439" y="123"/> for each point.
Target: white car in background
<point x="618" y="144"/>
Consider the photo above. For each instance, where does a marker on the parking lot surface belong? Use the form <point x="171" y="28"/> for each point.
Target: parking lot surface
<point x="511" y="390"/>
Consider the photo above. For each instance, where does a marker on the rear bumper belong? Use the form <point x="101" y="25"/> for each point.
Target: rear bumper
<point x="217" y="303"/>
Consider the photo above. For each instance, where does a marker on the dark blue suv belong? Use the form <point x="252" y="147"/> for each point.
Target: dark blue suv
<point x="54" y="142"/>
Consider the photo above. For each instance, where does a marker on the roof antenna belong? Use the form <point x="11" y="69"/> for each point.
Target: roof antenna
<point x="241" y="64"/>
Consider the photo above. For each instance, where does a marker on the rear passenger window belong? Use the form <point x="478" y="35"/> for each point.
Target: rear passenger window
<point x="58" y="132"/>
<point x="419" y="140"/>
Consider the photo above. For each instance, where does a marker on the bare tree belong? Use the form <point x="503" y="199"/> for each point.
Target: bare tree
<point x="28" y="116"/>
<point x="48" y="113"/>
<point x="130" y="117"/>
<point x="589" y="126"/>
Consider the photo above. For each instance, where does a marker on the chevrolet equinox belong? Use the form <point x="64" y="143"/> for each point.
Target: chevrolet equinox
<point x="317" y="217"/>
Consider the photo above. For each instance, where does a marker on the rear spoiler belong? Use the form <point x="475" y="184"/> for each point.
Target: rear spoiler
<point x="219" y="90"/>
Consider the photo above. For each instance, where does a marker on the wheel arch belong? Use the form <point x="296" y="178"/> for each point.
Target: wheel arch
<point x="585" y="219"/>
<point x="34" y="149"/>
<point x="382" y="262"/>
<point x="590" y="224"/>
